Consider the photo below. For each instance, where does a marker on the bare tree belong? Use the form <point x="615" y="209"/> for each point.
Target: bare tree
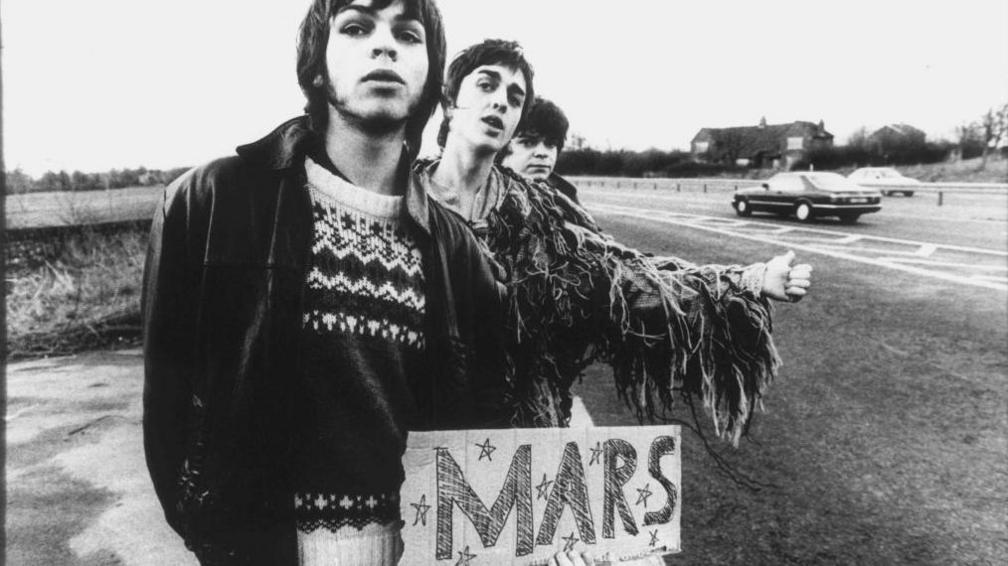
<point x="577" y="141"/>
<point x="730" y="143"/>
<point x="966" y="136"/>
<point x="993" y="126"/>
<point x="859" y="138"/>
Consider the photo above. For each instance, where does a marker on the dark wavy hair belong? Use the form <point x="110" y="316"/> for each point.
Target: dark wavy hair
<point x="489" y="52"/>
<point x="311" y="60"/>
<point x="546" y="120"/>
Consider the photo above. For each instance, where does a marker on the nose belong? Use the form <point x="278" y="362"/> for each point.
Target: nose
<point x="500" y="102"/>
<point x="383" y="43"/>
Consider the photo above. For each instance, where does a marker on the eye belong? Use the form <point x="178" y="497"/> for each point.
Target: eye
<point x="353" y="29"/>
<point x="550" y="144"/>
<point x="484" y="85"/>
<point x="516" y="100"/>
<point x="410" y="37"/>
<point x="410" y="34"/>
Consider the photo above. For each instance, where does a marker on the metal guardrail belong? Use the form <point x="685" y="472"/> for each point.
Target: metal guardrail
<point x="665" y="183"/>
<point x="721" y="183"/>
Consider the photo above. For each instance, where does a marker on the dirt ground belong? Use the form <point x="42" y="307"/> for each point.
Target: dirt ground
<point x="77" y="488"/>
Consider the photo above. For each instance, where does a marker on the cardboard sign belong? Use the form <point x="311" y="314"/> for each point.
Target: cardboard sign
<point x="517" y="496"/>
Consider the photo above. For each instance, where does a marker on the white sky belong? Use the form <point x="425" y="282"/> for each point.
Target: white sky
<point x="97" y="84"/>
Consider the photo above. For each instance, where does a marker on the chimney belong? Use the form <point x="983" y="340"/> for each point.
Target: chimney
<point x="762" y="122"/>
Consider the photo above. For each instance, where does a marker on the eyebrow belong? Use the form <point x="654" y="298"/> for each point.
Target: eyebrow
<point x="370" y="11"/>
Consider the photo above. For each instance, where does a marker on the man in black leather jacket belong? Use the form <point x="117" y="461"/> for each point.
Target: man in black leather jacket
<point x="264" y="375"/>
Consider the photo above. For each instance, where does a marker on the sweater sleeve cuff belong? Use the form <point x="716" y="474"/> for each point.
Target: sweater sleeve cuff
<point x="752" y="278"/>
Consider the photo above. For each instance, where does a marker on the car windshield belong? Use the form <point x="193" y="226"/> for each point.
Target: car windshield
<point x="831" y="182"/>
<point x="888" y="174"/>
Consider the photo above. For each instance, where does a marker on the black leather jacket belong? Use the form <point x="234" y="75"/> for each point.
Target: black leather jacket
<point x="222" y="294"/>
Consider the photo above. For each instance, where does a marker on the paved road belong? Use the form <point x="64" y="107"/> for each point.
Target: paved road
<point x="77" y="488"/>
<point x="884" y="439"/>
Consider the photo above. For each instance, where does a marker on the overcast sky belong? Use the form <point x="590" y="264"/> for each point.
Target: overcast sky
<point x="101" y="84"/>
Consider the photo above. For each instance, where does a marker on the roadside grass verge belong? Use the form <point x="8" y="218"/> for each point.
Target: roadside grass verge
<point x="76" y="290"/>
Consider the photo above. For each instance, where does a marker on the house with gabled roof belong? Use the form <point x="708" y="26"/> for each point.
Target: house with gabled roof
<point x="764" y="145"/>
<point x="895" y="135"/>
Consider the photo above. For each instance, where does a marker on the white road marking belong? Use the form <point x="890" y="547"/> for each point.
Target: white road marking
<point x="945" y="264"/>
<point x="864" y="249"/>
<point x="994" y="278"/>
<point x="927" y="250"/>
<point x="658" y="216"/>
<point x="850" y="239"/>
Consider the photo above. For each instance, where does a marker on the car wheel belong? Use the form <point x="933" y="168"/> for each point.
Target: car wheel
<point x="804" y="212"/>
<point x="742" y="208"/>
<point x="908" y="193"/>
<point x="849" y="218"/>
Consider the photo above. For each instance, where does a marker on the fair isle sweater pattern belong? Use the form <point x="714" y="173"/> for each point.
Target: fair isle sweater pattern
<point x="363" y="326"/>
<point x="363" y="261"/>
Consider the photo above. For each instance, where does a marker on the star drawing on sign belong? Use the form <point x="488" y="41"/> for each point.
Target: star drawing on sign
<point x="569" y="542"/>
<point x="543" y="487"/>
<point x="465" y="557"/>
<point x="596" y="454"/>
<point x="421" y="510"/>
<point x="643" y="494"/>
<point x="654" y="538"/>
<point x="486" y="449"/>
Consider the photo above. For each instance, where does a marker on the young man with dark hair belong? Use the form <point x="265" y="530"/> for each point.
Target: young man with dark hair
<point x="305" y="304"/>
<point x="667" y="327"/>
<point x="535" y="148"/>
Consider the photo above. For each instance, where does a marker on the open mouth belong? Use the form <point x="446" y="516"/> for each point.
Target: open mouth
<point x="383" y="76"/>
<point x="494" y="121"/>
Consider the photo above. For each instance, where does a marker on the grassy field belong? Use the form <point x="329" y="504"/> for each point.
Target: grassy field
<point x="968" y="171"/>
<point x="80" y="291"/>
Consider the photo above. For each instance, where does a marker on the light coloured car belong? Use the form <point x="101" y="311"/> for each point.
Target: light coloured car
<point x="886" y="179"/>
<point x="808" y="195"/>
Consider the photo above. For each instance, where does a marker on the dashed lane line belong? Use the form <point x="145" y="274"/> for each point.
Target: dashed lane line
<point x="678" y="219"/>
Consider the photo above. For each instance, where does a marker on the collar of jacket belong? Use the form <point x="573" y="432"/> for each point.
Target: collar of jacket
<point x="500" y="182"/>
<point x="286" y="147"/>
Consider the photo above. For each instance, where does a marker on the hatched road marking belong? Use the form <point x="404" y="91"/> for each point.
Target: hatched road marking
<point x="957" y="264"/>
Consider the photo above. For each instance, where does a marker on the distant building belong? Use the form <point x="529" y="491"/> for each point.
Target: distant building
<point x="764" y="145"/>
<point x="895" y="135"/>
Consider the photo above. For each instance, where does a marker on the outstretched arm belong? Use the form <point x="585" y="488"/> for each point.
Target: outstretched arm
<point x="664" y="325"/>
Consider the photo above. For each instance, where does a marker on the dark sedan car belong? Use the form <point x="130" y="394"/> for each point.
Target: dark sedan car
<point x="808" y="195"/>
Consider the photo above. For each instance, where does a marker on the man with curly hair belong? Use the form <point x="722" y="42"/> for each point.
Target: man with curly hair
<point x="535" y="148"/>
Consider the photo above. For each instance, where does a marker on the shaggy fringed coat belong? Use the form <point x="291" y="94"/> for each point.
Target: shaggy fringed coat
<point x="665" y="326"/>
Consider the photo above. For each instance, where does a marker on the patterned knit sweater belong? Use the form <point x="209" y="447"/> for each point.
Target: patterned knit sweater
<point x="363" y="342"/>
